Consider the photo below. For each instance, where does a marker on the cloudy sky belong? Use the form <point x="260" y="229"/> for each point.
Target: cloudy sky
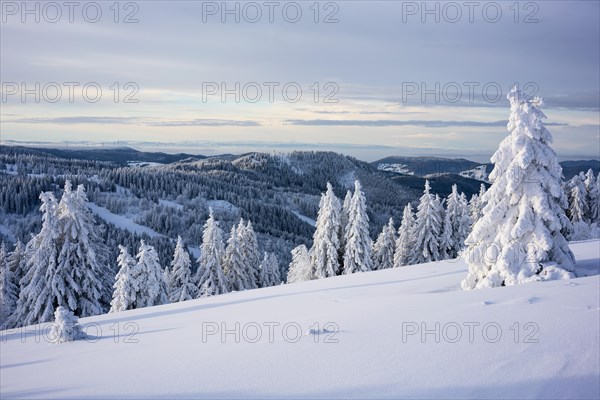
<point x="376" y="78"/>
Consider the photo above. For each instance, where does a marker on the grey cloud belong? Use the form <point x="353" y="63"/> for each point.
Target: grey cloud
<point x="381" y="123"/>
<point x="132" y="120"/>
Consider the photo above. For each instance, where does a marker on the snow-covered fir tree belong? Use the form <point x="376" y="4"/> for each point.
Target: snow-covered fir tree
<point x="357" y="255"/>
<point x="39" y="296"/>
<point x="427" y="229"/>
<point x="269" y="270"/>
<point x="300" y="268"/>
<point x="66" y="326"/>
<point x="385" y="246"/>
<point x="234" y="265"/>
<point x="125" y="287"/>
<point x="592" y="193"/>
<point x="324" y="252"/>
<point x="167" y="280"/>
<point x="578" y="207"/>
<point x="16" y="263"/>
<point x="82" y="269"/>
<point x="344" y="215"/>
<point x="182" y="288"/>
<point x="147" y="273"/>
<point x="210" y="278"/>
<point x="524" y="212"/>
<point x="476" y="205"/>
<point x="457" y="224"/>
<point x="404" y="243"/>
<point x="249" y="247"/>
<point x="8" y="289"/>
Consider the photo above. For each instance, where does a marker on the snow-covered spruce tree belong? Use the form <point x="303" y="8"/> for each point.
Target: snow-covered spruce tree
<point x="16" y="263"/>
<point x="269" y="271"/>
<point x="578" y="207"/>
<point x="234" y="267"/>
<point x="404" y="243"/>
<point x="427" y="229"/>
<point x="147" y="273"/>
<point x="344" y="214"/>
<point x="300" y="268"/>
<point x="8" y="289"/>
<point x="519" y="239"/>
<point x="457" y="224"/>
<point x="249" y="245"/>
<point x="592" y="191"/>
<point x="125" y="286"/>
<point x="39" y="296"/>
<point x="385" y="246"/>
<point x="181" y="286"/>
<point x="357" y="255"/>
<point x="167" y="280"/>
<point x="210" y="278"/>
<point x="476" y="205"/>
<point x="324" y="252"/>
<point x="66" y="326"/>
<point x="82" y="266"/>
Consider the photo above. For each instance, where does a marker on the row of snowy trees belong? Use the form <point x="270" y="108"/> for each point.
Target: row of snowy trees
<point x="342" y="245"/>
<point x="67" y="265"/>
<point x="142" y="282"/>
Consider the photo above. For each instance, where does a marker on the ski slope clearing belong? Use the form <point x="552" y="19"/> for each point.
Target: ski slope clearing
<point x="356" y="336"/>
<point x="121" y="221"/>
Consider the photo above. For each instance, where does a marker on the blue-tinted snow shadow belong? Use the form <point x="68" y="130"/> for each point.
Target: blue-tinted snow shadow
<point x="589" y="267"/>
<point x="23" y="364"/>
<point x="580" y="387"/>
<point x="38" y="393"/>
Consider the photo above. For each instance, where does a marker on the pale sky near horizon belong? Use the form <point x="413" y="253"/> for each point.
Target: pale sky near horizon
<point x="380" y="62"/>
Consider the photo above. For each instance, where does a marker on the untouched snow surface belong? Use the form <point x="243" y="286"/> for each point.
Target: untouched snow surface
<point x="121" y="221"/>
<point x="541" y="341"/>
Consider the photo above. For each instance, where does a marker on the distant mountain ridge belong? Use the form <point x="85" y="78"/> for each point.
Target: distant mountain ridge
<point x="426" y="166"/>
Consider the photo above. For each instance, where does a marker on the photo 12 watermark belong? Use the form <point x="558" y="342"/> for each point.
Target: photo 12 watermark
<point x="470" y="92"/>
<point x="49" y="332"/>
<point x="452" y="12"/>
<point x="469" y="332"/>
<point x="254" y="92"/>
<point x="252" y="12"/>
<point x="71" y="92"/>
<point x="269" y="332"/>
<point x="53" y="12"/>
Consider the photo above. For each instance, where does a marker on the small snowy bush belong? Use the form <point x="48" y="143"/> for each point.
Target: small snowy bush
<point x="66" y="326"/>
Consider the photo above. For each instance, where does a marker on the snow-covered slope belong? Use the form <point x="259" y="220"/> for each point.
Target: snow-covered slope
<point x="538" y="340"/>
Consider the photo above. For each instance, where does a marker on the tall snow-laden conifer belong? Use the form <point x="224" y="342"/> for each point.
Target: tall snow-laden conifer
<point x="251" y="253"/>
<point x="210" y="278"/>
<point x="404" y="246"/>
<point x="324" y="253"/>
<point x="8" y="288"/>
<point x="427" y="229"/>
<point x="82" y="272"/>
<point x="148" y="276"/>
<point x="181" y="286"/>
<point x="125" y="287"/>
<point x="300" y="268"/>
<point x="269" y="271"/>
<point x="457" y="224"/>
<point x="39" y="297"/>
<point x="357" y="255"/>
<point x="234" y="266"/>
<point x="384" y="247"/>
<point x="518" y="239"/>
